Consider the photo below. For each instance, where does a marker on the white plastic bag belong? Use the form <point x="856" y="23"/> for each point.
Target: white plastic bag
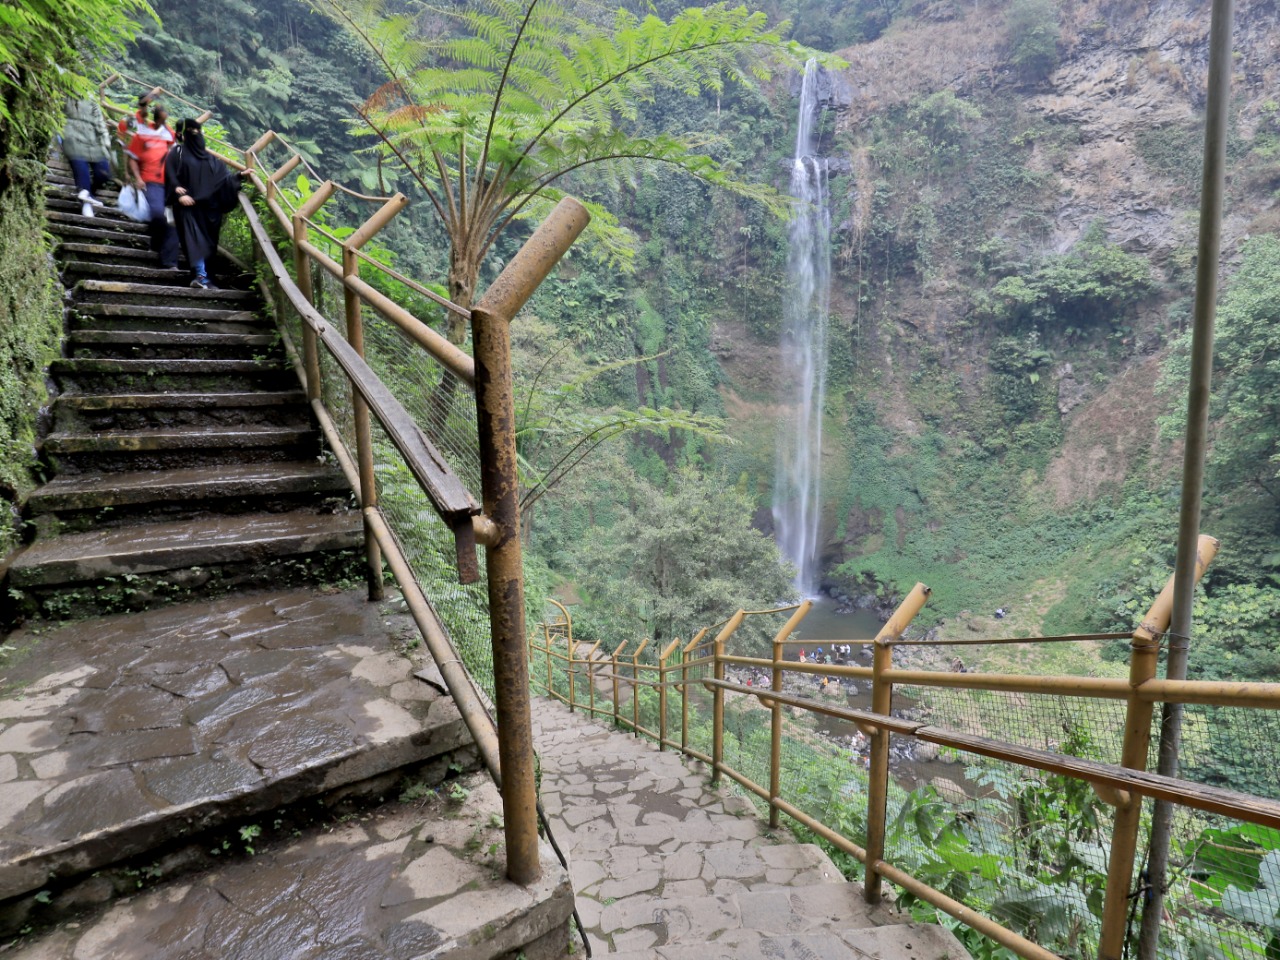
<point x="133" y="204"/>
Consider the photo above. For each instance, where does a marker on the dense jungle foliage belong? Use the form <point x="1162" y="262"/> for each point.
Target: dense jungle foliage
<point x="947" y="195"/>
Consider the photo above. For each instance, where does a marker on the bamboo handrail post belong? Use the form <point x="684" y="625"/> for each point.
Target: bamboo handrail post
<point x="684" y="701"/>
<point x="546" y="635"/>
<point x="591" y="679"/>
<point x="635" y="688"/>
<point x="882" y="703"/>
<point x="364" y="434"/>
<point x="613" y="671"/>
<point x="303" y="275"/>
<point x="499" y="477"/>
<point x="663" y="670"/>
<point x="1143" y="663"/>
<point x="775" y="711"/>
<point x="717" y="711"/>
<point x="572" y="675"/>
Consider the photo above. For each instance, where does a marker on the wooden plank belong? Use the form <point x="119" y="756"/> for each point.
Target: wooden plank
<point x="447" y="494"/>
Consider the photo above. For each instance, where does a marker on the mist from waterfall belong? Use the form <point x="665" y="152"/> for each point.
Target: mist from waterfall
<point x="797" y="485"/>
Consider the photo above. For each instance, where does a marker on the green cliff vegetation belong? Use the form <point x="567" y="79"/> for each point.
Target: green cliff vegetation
<point x="999" y="319"/>
<point x="47" y="50"/>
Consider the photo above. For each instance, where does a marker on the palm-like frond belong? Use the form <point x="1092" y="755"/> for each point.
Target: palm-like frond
<point x="492" y="119"/>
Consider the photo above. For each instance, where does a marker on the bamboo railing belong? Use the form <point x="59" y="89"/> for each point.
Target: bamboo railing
<point x="558" y="654"/>
<point x="505" y="743"/>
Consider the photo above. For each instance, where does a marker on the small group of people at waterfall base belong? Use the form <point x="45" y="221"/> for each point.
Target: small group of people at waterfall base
<point x="183" y="189"/>
<point x="840" y="652"/>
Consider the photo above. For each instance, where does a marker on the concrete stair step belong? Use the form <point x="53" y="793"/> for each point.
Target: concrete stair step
<point x="109" y="232"/>
<point x="162" y="295"/>
<point x="147" y="488"/>
<point x="80" y="413"/>
<point x="73" y="204"/>
<point x="164" y="312"/>
<point x="145" y="344"/>
<point x="121" y="223"/>
<point x="403" y="880"/>
<point x="73" y="250"/>
<point x="127" y="732"/>
<point x="134" y="376"/>
<point x="73" y="269"/>
<point x="190" y="438"/>
<point x="148" y="548"/>
<point x="64" y="188"/>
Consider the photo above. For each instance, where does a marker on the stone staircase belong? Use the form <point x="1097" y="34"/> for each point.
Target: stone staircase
<point x="266" y="766"/>
<point x="183" y="453"/>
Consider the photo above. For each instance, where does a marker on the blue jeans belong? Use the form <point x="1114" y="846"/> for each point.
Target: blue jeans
<point x="198" y="270"/>
<point x="164" y="239"/>
<point x="91" y="175"/>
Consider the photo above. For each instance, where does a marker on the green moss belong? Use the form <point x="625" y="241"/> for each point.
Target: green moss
<point x="30" y="327"/>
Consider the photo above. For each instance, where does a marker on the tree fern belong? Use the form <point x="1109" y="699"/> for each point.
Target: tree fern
<point x="492" y="118"/>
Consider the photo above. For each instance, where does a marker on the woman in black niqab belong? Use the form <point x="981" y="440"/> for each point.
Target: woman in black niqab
<point x="201" y="190"/>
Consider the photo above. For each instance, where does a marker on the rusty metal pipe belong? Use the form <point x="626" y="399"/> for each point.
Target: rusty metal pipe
<point x="535" y="260"/>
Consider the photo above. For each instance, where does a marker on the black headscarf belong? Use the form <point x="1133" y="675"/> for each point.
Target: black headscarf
<point x="192" y="167"/>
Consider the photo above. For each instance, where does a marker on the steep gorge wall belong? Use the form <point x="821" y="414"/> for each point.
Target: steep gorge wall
<point x="965" y="414"/>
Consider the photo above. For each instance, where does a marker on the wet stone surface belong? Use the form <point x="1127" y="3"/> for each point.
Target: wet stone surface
<point x="119" y="732"/>
<point x="666" y="866"/>
<point x="402" y="881"/>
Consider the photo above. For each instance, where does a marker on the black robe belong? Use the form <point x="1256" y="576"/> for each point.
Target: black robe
<point x="209" y="182"/>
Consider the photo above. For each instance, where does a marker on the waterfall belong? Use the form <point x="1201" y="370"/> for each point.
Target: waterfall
<point x="797" y="507"/>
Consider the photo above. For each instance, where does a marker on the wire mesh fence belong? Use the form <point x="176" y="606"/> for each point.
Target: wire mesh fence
<point x="1025" y="847"/>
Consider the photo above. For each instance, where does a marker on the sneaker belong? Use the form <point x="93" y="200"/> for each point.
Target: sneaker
<point x="85" y="197"/>
<point x="200" y="283"/>
<point x="86" y="210"/>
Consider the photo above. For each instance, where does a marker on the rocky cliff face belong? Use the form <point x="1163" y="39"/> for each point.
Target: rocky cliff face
<point x="963" y="181"/>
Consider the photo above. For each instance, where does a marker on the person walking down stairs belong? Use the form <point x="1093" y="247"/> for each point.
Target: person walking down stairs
<point x="88" y="149"/>
<point x="146" y="155"/>
<point x="201" y="191"/>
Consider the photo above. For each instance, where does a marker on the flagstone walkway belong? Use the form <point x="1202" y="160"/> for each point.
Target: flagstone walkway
<point x="666" y="865"/>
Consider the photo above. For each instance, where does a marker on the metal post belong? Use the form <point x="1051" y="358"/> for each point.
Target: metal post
<point x="775" y="711"/>
<point x="882" y="703"/>
<point x="1206" y="296"/>
<point x="1145" y="650"/>
<point x="717" y="698"/>
<point x="500" y="482"/>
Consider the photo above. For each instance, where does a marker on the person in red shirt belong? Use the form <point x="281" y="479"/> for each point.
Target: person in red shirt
<point x="146" y="154"/>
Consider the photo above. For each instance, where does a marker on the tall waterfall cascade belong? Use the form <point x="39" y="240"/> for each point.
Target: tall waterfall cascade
<point x="797" y="489"/>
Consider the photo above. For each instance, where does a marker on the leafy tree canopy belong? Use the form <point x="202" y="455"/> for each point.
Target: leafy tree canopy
<point x="676" y="561"/>
<point x="492" y="116"/>
<point x="47" y="47"/>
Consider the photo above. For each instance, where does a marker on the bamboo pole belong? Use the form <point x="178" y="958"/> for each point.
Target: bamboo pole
<point x="662" y="692"/>
<point x="1145" y="648"/>
<point x="302" y="272"/>
<point x="617" y="722"/>
<point x="717" y="711"/>
<point x="635" y="688"/>
<point x="775" y="711"/>
<point x="882" y="703"/>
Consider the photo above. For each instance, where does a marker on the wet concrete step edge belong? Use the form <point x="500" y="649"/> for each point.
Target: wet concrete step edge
<point x="194" y="438"/>
<point x="150" y="548"/>
<point x="94" y="491"/>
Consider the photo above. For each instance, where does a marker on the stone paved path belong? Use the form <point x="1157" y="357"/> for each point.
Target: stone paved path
<point x="664" y="865"/>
